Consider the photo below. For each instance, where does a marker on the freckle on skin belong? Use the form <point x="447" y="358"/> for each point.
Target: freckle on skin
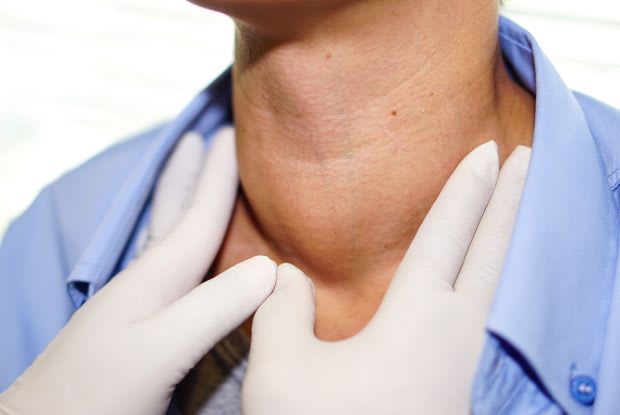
<point x="328" y="55"/>
<point x="394" y="112"/>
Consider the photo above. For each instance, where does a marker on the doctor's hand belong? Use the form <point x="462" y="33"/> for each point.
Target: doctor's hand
<point x="125" y="350"/>
<point x="419" y="352"/>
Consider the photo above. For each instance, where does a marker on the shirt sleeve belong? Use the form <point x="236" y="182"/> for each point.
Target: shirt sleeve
<point x="34" y="304"/>
<point x="45" y="244"/>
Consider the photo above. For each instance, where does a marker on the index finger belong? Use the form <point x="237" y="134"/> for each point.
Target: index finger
<point x="485" y="258"/>
<point x="180" y="261"/>
<point x="441" y="243"/>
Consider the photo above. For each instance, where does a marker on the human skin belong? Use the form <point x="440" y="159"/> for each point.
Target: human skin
<point x="350" y="116"/>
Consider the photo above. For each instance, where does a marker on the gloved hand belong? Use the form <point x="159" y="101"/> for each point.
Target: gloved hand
<point x="419" y="352"/>
<point x="125" y="350"/>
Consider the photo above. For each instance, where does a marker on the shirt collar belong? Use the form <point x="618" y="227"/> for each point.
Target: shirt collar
<point x="205" y="113"/>
<point x="551" y="302"/>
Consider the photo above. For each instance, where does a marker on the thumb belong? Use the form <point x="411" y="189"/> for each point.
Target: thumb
<point x="285" y="321"/>
<point x="187" y="329"/>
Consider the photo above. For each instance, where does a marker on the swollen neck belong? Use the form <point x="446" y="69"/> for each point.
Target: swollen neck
<point x="346" y="136"/>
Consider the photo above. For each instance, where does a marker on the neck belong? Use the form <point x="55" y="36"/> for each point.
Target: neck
<point x="347" y="131"/>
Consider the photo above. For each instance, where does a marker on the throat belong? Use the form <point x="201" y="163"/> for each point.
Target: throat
<point x="345" y="139"/>
<point x="350" y="260"/>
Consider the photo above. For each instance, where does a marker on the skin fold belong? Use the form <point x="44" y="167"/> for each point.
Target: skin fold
<point x="350" y="116"/>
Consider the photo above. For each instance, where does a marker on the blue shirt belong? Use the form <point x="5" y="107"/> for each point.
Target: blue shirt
<point x="553" y="338"/>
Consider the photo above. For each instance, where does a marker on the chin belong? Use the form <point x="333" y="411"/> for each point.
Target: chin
<point x="275" y="17"/>
<point x="257" y="4"/>
<point x="247" y="8"/>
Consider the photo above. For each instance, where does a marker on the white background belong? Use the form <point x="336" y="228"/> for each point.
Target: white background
<point x="78" y="75"/>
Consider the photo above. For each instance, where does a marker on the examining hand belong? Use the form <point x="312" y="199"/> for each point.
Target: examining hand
<point x="126" y="349"/>
<point x="419" y="352"/>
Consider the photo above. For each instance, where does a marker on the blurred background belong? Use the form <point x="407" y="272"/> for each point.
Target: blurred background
<point x="78" y="75"/>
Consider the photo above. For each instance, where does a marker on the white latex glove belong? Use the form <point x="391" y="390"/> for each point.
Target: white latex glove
<point x="419" y="352"/>
<point x="126" y="349"/>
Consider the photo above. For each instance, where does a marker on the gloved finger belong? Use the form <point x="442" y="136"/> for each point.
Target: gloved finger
<point x="187" y="329"/>
<point x="485" y="258"/>
<point x="180" y="261"/>
<point x="176" y="185"/>
<point x="285" y="321"/>
<point x="439" y="247"/>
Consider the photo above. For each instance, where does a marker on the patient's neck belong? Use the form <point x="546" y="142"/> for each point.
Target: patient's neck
<point x="347" y="134"/>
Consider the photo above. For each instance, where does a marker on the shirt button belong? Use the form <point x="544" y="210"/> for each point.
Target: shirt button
<point x="583" y="389"/>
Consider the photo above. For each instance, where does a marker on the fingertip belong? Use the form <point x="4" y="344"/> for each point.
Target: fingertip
<point x="284" y="322"/>
<point x="262" y="273"/>
<point x="490" y="146"/>
<point x="222" y="150"/>
<point x="263" y="262"/>
<point x="521" y="148"/>
<point x="289" y="274"/>
<point x="484" y="162"/>
<point x="224" y="133"/>
<point x="192" y="140"/>
<point x="521" y="154"/>
<point x="288" y="269"/>
<point x="516" y="165"/>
